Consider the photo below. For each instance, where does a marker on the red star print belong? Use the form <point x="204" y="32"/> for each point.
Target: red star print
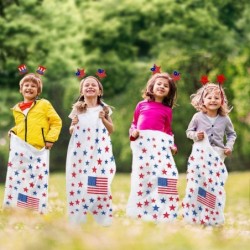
<point x="172" y="207"/>
<point x="139" y="204"/>
<point x="164" y="171"/>
<point x="100" y="206"/>
<point x="141" y="176"/>
<point x="166" y="215"/>
<point x="171" y="198"/>
<point x="139" y="193"/>
<point x="149" y="184"/>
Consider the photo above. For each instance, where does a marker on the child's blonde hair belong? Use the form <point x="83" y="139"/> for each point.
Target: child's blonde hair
<point x="32" y="78"/>
<point x="81" y="105"/>
<point x="170" y="99"/>
<point x="198" y="103"/>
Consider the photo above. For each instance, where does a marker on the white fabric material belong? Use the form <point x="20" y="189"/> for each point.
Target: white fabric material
<point x="27" y="176"/>
<point x="154" y="195"/>
<point x="205" y="196"/>
<point x="90" y="169"/>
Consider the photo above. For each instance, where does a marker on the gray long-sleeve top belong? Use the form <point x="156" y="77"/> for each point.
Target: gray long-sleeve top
<point x="216" y="131"/>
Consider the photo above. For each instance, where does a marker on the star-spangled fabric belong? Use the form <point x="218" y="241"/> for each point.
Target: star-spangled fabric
<point x="27" y="176"/>
<point x="90" y="169"/>
<point x="205" y="196"/>
<point x="154" y="194"/>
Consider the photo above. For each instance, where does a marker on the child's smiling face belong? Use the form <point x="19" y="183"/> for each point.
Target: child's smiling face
<point x="161" y="89"/>
<point x="212" y="100"/>
<point x="29" y="90"/>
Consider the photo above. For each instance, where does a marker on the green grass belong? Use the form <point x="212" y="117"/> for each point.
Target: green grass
<point x="25" y="230"/>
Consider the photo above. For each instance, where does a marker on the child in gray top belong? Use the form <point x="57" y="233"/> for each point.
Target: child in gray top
<point x="212" y="119"/>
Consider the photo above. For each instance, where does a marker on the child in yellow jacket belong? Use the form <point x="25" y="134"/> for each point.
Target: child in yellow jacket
<point x="36" y="121"/>
<point x="37" y="127"/>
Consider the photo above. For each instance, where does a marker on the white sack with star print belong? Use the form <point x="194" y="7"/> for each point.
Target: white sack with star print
<point x="205" y="196"/>
<point x="90" y="168"/>
<point x="27" y="176"/>
<point x="153" y="195"/>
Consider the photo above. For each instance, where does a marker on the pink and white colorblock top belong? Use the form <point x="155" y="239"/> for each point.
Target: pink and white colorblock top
<point x="150" y="115"/>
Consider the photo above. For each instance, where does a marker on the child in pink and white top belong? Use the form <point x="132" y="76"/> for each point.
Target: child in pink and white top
<point x="154" y="176"/>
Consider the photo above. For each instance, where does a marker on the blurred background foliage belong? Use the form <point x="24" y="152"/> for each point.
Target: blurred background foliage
<point x="126" y="38"/>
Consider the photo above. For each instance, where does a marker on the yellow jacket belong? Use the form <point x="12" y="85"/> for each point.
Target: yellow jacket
<point x="41" y="124"/>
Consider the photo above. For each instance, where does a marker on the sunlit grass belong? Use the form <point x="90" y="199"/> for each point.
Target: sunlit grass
<point x="25" y="230"/>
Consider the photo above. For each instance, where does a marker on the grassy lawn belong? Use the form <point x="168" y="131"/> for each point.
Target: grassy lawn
<point x="25" y="230"/>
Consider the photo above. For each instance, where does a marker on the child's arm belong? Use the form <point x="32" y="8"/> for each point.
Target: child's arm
<point x="192" y="132"/>
<point x="107" y="121"/>
<point x="230" y="137"/>
<point x="73" y="123"/>
<point x="55" y="124"/>
<point x="133" y="131"/>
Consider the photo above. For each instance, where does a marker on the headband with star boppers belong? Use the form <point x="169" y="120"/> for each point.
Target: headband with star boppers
<point x="101" y="73"/>
<point x="220" y="79"/>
